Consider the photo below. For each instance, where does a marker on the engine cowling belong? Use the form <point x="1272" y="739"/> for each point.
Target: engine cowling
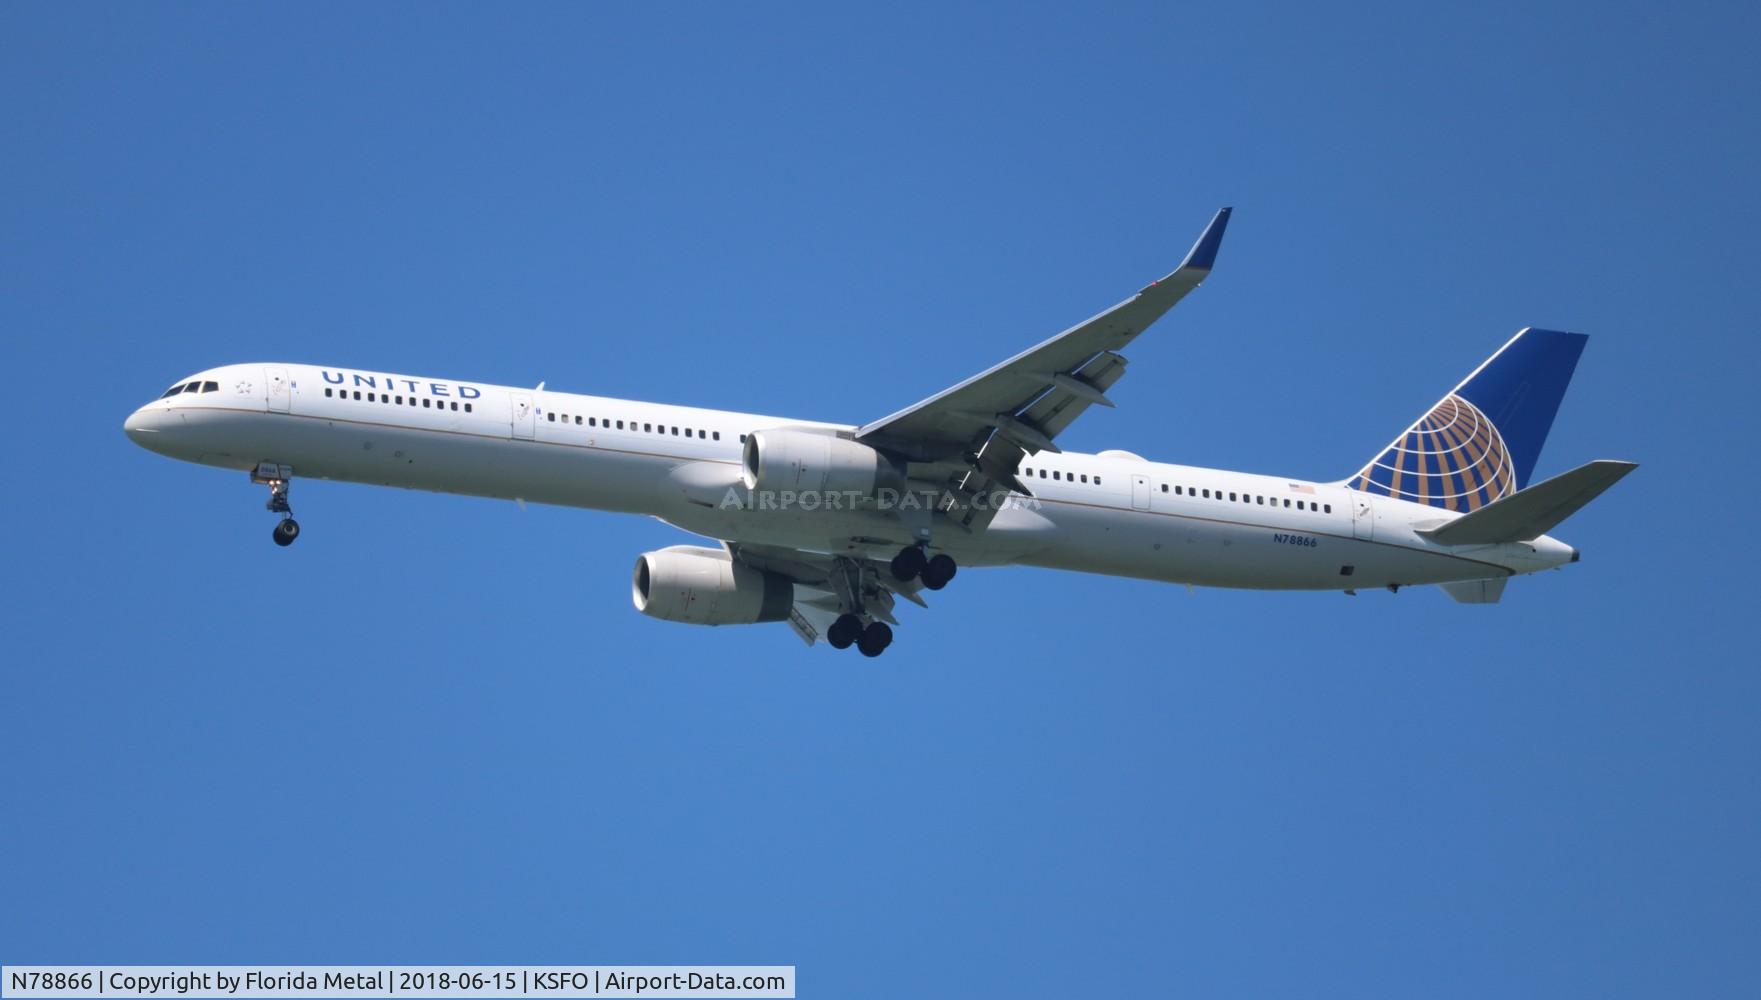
<point x="814" y="461"/>
<point x="700" y="586"/>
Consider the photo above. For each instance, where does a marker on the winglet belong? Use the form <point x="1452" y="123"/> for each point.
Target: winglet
<point x="1204" y="253"/>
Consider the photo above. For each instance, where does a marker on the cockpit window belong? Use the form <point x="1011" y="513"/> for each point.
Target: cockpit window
<point x="210" y="386"/>
<point x="192" y="387"/>
<point x="174" y="390"/>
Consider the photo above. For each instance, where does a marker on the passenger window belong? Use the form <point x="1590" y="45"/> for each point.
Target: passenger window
<point x="1085" y="479"/>
<point x="1207" y="494"/>
<point x="455" y="406"/>
<point x="702" y="435"/>
<point x="427" y="404"/>
<point x="1164" y="487"/>
<point x="371" y="398"/>
<point x="1232" y="498"/>
<point x="1097" y="480"/>
<point x="400" y="400"/>
<point x="675" y="432"/>
<point x="718" y="435"/>
<point x="552" y="417"/>
<point x="1286" y="501"/>
<point x="1329" y="508"/>
<point x="326" y="393"/>
<point x="357" y="395"/>
<point x="648" y="427"/>
<point x="467" y="407"/>
<point x="1042" y="473"/>
<point x="1260" y="500"/>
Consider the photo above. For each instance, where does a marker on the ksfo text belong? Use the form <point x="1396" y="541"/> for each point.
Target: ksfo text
<point x="629" y="982"/>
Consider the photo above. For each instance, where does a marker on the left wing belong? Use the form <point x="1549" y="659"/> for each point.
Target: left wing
<point x="981" y="428"/>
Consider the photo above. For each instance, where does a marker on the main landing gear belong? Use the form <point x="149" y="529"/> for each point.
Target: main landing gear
<point x="872" y="639"/>
<point x="276" y="478"/>
<point x="860" y="625"/>
<point x="913" y="563"/>
<point x="864" y="602"/>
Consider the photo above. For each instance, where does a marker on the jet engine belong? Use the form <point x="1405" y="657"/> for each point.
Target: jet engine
<point x="700" y="586"/>
<point x="814" y="461"/>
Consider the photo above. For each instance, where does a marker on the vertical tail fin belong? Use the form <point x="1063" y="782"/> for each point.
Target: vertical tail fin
<point x="1480" y="442"/>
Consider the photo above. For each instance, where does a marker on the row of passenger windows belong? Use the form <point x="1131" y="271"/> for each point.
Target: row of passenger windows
<point x="580" y="421"/>
<point x="1253" y="498"/>
<point x="1065" y="477"/>
<point x="1186" y="491"/>
<point x="197" y="386"/>
<point x="386" y="397"/>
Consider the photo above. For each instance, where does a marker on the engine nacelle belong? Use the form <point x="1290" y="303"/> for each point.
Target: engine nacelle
<point x="699" y="586"/>
<point x="814" y="462"/>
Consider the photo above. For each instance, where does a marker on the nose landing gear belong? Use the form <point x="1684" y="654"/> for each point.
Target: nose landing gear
<point x="286" y="530"/>
<point x="276" y="477"/>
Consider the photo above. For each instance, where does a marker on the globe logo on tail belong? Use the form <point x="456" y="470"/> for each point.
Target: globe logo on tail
<point x="1452" y="458"/>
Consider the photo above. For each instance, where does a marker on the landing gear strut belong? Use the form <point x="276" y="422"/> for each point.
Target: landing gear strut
<point x="276" y="478"/>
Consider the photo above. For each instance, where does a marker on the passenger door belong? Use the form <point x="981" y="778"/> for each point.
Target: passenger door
<point x="1140" y="493"/>
<point x="524" y="423"/>
<point x="1363" y="515"/>
<point x="275" y="381"/>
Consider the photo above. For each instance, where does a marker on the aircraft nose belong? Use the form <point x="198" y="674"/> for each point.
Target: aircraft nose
<point x="141" y="425"/>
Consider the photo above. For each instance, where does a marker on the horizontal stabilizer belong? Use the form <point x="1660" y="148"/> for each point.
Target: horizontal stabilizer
<point x="1533" y="512"/>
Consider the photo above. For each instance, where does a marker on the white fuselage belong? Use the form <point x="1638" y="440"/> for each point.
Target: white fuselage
<point x="1110" y="513"/>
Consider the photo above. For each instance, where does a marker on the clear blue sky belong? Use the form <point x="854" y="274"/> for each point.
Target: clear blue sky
<point x="435" y="731"/>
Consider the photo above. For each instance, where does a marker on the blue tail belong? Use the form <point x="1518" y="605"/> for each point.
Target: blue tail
<point x="1480" y="443"/>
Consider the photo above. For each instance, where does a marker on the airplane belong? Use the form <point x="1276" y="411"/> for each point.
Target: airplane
<point x="826" y="526"/>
